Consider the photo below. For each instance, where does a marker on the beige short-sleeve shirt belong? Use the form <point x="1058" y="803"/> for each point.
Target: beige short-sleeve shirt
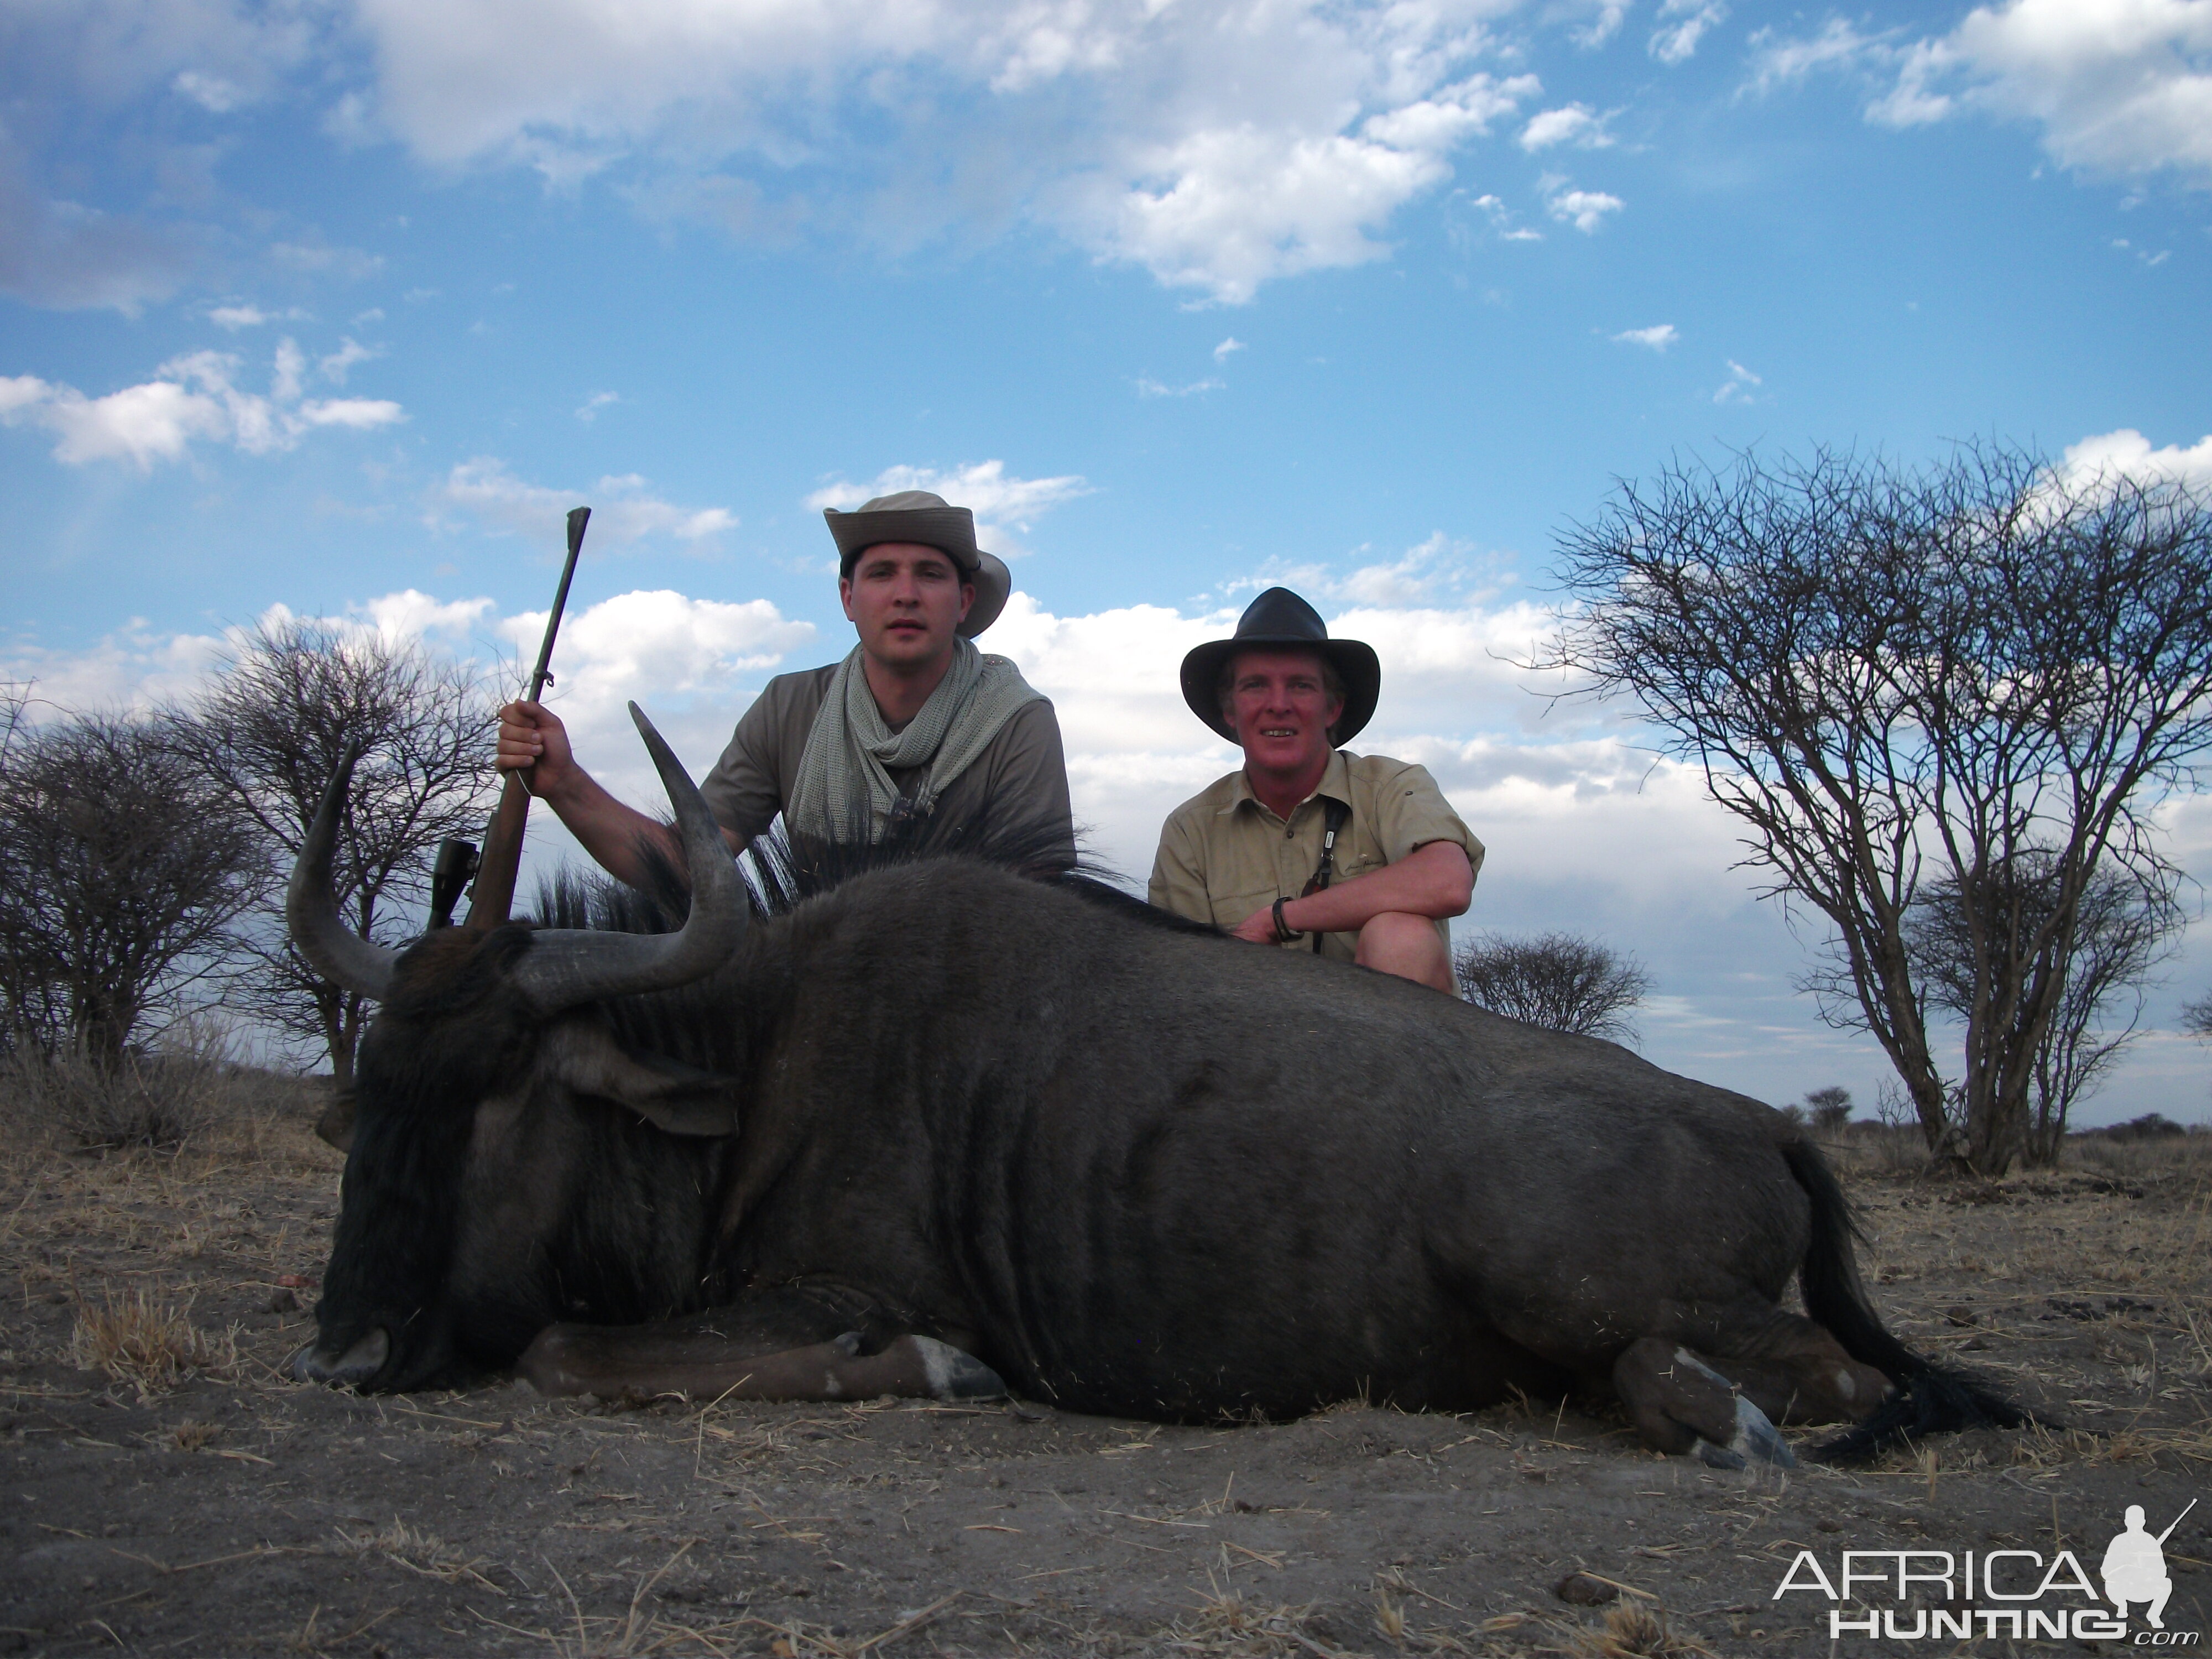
<point x="1224" y="855"/>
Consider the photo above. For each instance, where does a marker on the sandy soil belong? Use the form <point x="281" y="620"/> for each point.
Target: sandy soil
<point x="163" y="1491"/>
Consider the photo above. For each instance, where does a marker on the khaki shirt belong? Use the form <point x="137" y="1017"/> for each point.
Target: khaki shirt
<point x="1224" y="855"/>
<point x="1018" y="784"/>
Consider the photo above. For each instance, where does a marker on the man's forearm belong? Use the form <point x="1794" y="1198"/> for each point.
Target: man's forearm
<point x="1435" y="879"/>
<point x="615" y="836"/>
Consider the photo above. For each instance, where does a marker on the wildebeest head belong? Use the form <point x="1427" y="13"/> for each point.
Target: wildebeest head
<point x="469" y="1019"/>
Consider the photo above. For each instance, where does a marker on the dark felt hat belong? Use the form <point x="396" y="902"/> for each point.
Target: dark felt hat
<point x="1280" y="620"/>
<point x="917" y="516"/>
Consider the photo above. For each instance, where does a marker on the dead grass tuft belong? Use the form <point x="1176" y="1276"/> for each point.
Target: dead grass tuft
<point x="1636" y="1630"/>
<point x="1226" y="1624"/>
<point x="136" y="1339"/>
<point x="191" y="1435"/>
<point x="418" y="1550"/>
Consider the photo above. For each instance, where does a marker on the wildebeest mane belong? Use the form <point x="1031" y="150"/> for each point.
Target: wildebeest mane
<point x="690" y="1024"/>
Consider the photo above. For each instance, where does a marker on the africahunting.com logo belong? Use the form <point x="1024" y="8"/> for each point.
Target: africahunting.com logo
<point x="2014" y="1593"/>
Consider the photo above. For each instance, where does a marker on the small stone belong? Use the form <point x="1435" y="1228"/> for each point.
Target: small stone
<point x="1584" y="1591"/>
<point x="1960" y="1316"/>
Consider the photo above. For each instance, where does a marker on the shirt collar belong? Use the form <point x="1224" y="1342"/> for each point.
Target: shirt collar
<point x="1335" y="784"/>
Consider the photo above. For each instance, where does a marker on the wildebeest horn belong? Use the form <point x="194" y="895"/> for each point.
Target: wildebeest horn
<point x="567" y="966"/>
<point x="337" y="951"/>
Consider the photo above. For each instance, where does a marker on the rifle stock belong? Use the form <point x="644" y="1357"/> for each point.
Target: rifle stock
<point x="493" y="896"/>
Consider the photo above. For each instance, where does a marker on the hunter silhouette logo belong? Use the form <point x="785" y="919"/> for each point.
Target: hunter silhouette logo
<point x="2134" y="1566"/>
<point x="1924" y="1595"/>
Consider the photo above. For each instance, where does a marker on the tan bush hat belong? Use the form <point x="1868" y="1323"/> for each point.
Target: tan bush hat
<point x="916" y="515"/>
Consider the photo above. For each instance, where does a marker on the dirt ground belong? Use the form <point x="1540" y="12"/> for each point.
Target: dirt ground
<point x="163" y="1490"/>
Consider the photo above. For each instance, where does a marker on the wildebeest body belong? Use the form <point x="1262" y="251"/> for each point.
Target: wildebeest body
<point x="1132" y="1165"/>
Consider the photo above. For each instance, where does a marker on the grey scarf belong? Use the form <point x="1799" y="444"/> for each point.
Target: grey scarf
<point x="845" y="771"/>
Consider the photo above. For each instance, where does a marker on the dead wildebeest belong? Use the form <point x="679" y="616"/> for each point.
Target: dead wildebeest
<point x="943" y="1125"/>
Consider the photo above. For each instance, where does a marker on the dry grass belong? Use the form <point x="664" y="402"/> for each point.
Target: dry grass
<point x="418" y="1550"/>
<point x="144" y="1341"/>
<point x="1634" y="1630"/>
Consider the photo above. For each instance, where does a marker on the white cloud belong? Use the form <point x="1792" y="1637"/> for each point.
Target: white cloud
<point x="335" y="368"/>
<point x="1682" y="24"/>
<point x="2113" y="86"/>
<point x="1658" y="337"/>
<point x="588" y="410"/>
<point x="2128" y="453"/>
<point x="234" y="318"/>
<point x="1740" y="386"/>
<point x="623" y="512"/>
<point x="1218" y="144"/>
<point x="191" y="397"/>
<point x="1573" y="123"/>
<point x="1501" y="222"/>
<point x="1585" y="209"/>
<point x="1003" y="507"/>
<point x="1148" y="388"/>
<point x="1221" y="352"/>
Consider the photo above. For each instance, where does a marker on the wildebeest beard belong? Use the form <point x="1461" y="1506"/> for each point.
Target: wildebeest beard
<point x="917" y="1124"/>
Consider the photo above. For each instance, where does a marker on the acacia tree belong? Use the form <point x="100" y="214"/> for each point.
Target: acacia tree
<point x="271" y="727"/>
<point x="1558" y="981"/>
<point x="1899" y="679"/>
<point x="1828" y="1110"/>
<point x="2124" y="924"/>
<point x="122" y="869"/>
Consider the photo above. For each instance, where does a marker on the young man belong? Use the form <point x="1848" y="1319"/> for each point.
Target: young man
<point x="1308" y="847"/>
<point x="915" y="721"/>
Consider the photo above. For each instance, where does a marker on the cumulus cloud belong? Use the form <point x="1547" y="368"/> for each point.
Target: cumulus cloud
<point x="1658" y="337"/>
<point x="1585" y="209"/>
<point x="1571" y="123"/>
<point x="1004" y="506"/>
<point x="623" y="511"/>
<point x="1502" y="221"/>
<point x="335" y="367"/>
<point x="588" y="410"/>
<point x="2128" y="453"/>
<point x="1217" y="144"/>
<point x="1221" y="352"/>
<point x="192" y="398"/>
<point x="2113" y="86"/>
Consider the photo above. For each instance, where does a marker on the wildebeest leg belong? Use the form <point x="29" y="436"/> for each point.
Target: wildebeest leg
<point x="1680" y="1403"/>
<point x="726" y="1356"/>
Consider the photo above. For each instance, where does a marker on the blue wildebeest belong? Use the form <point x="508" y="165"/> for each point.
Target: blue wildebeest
<point x="943" y="1125"/>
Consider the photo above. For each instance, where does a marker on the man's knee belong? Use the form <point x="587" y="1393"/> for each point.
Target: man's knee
<point x="1399" y="942"/>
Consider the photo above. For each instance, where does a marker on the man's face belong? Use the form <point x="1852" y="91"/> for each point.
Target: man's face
<point x="1280" y="708"/>
<point x="906" y="600"/>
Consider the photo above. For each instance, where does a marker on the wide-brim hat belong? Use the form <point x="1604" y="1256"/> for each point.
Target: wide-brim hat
<point x="1279" y="620"/>
<point x="916" y="515"/>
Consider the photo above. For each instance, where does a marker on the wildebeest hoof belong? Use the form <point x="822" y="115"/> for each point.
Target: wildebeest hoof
<point x="955" y="1375"/>
<point x="1756" y="1440"/>
<point x="349" y="1369"/>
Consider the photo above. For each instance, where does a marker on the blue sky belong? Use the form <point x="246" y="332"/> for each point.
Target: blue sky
<point x="337" y="305"/>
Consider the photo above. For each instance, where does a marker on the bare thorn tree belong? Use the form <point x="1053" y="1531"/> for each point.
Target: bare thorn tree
<point x="1895" y="679"/>
<point x="1558" y="981"/>
<point x="273" y="723"/>
<point x="2124" y="923"/>
<point x="1828" y="1110"/>
<point x="2197" y="1017"/>
<point x="122" y="869"/>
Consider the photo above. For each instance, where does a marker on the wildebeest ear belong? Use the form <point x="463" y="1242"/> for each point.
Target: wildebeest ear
<point x="584" y="1054"/>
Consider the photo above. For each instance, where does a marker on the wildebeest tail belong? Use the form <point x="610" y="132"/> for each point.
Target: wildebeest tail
<point x="1930" y="1398"/>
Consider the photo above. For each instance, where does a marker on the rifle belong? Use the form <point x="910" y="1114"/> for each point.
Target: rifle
<point x="494" y="872"/>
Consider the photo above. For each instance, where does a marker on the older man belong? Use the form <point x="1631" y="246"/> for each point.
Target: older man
<point x="915" y="722"/>
<point x="1307" y="845"/>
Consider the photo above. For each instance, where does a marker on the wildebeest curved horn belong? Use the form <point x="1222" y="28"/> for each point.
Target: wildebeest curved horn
<point x="310" y="911"/>
<point x="567" y="966"/>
